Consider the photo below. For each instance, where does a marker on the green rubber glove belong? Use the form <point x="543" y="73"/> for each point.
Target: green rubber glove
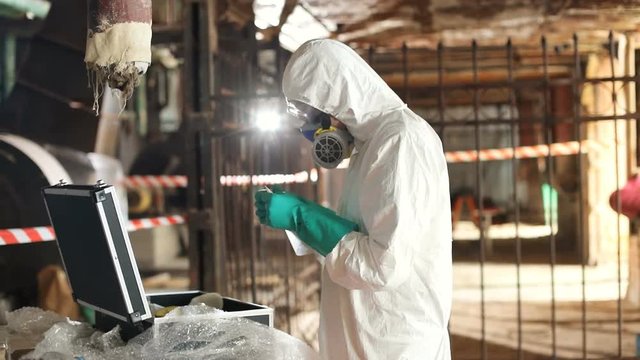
<point x="277" y="211"/>
<point x="317" y="226"/>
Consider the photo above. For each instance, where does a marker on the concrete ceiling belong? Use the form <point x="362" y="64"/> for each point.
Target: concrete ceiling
<point x="456" y="22"/>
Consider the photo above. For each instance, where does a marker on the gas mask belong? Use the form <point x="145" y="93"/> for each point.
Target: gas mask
<point x="330" y="144"/>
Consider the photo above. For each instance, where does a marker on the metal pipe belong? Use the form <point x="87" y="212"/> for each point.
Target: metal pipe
<point x="287" y="250"/>
<point x="254" y="259"/>
<point x="440" y="92"/>
<point x="246" y="131"/>
<point x="55" y="96"/>
<point x="4" y="70"/>
<point x="109" y="124"/>
<point x="255" y="228"/>
<point x="9" y="46"/>
<point x="440" y="85"/>
<point x="577" y="108"/>
<point x="614" y="99"/>
<point x="192" y="149"/>
<point x="279" y="67"/>
<point x="287" y="283"/>
<point x="480" y="219"/>
<point x="227" y="200"/>
<point x="370" y="55"/>
<point x="405" y="72"/>
<point x="521" y="83"/>
<point x="636" y="89"/>
<point x="516" y="203"/>
<point x="549" y="160"/>
<point x="236" y="233"/>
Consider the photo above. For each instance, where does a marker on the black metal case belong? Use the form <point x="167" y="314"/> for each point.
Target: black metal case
<point x="102" y="271"/>
<point x="95" y="250"/>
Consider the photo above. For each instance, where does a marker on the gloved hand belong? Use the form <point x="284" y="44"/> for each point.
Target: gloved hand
<point x="317" y="226"/>
<point x="276" y="209"/>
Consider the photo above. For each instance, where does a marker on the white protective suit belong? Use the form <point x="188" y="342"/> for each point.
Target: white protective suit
<point x="386" y="290"/>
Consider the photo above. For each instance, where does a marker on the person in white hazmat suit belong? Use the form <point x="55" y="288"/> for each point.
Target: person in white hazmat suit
<point x="387" y="274"/>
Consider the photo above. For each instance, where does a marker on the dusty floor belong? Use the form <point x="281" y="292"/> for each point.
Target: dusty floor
<point x="464" y="348"/>
<point x="501" y="311"/>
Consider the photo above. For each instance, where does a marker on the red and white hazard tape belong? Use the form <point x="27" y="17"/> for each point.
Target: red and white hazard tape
<point x="164" y="181"/>
<point x="137" y="224"/>
<point x="271" y="179"/>
<point x="27" y="235"/>
<point x="521" y="152"/>
<point x="45" y="233"/>
<point x="176" y="181"/>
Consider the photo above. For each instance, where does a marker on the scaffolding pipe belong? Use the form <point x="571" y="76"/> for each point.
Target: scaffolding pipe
<point x="481" y="221"/>
<point x="516" y="202"/>
<point x="614" y="100"/>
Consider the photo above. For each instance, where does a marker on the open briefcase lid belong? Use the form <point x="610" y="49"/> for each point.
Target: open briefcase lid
<point x="95" y="250"/>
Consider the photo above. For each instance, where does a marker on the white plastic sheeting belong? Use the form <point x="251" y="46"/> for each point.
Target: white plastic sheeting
<point x="185" y="334"/>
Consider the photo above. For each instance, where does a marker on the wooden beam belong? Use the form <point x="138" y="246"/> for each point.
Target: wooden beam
<point x="494" y="28"/>
<point x="430" y="100"/>
<point x="421" y="79"/>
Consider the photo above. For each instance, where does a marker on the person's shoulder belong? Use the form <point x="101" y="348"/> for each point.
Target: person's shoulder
<point x="413" y="135"/>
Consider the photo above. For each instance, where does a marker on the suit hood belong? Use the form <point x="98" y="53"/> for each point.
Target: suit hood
<point x="331" y="77"/>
